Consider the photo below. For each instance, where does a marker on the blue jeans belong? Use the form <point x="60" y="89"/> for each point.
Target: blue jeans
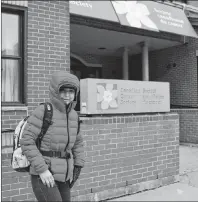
<point x="60" y="192"/>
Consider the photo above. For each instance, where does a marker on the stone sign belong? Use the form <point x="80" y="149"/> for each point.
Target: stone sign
<point x="105" y="96"/>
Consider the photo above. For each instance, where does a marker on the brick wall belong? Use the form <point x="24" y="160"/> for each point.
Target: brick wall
<point x="48" y="46"/>
<point x="183" y="83"/>
<point x="124" y="154"/>
<point x="183" y="77"/>
<point x="188" y="121"/>
<point x="9" y="119"/>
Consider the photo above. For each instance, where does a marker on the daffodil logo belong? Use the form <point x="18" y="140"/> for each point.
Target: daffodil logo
<point x="107" y="96"/>
<point x="137" y="14"/>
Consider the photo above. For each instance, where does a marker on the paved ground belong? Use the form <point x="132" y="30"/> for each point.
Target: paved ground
<point x="189" y="165"/>
<point x="186" y="190"/>
<point x="188" y="159"/>
<point x="173" y="192"/>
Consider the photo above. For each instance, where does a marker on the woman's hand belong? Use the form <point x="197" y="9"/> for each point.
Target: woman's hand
<point x="47" y="178"/>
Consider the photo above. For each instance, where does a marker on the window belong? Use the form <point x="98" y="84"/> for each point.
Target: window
<point x="12" y="56"/>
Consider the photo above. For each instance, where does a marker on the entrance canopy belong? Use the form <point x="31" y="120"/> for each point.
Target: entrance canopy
<point x="91" y="39"/>
<point x="146" y="15"/>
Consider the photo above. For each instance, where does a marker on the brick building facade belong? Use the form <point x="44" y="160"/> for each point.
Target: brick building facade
<point x="45" y="48"/>
<point x="124" y="155"/>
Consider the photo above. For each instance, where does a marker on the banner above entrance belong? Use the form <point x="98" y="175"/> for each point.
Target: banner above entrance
<point x="95" y="9"/>
<point x="148" y="15"/>
<point x="153" y="16"/>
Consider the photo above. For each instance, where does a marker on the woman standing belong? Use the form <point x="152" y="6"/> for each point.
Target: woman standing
<point x="57" y="165"/>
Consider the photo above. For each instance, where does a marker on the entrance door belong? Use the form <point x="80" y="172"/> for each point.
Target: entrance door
<point x="82" y="72"/>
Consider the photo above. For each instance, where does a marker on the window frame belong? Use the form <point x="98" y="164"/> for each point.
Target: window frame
<point x="22" y="13"/>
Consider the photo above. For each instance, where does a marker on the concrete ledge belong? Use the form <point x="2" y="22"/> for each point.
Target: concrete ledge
<point x="188" y="144"/>
<point x="14" y="108"/>
<point x="184" y="110"/>
<point x="18" y="3"/>
<point x="128" y="190"/>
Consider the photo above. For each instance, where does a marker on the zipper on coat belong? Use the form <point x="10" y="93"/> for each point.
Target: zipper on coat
<point x="67" y="143"/>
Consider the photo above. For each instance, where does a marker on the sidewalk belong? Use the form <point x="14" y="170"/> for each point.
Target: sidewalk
<point x="185" y="190"/>
<point x="188" y="159"/>
<point x="173" y="192"/>
<point x="189" y="165"/>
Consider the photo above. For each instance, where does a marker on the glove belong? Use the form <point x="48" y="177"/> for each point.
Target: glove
<point x="76" y="173"/>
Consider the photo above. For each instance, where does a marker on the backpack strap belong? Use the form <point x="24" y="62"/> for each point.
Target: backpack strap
<point x="19" y="132"/>
<point x="79" y="122"/>
<point x="47" y="121"/>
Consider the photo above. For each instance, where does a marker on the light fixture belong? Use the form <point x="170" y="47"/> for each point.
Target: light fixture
<point x="170" y="65"/>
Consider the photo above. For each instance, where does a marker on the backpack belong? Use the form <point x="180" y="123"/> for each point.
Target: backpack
<point x="19" y="161"/>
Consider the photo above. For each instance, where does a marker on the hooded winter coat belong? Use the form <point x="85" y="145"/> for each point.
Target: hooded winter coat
<point x="60" y="135"/>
